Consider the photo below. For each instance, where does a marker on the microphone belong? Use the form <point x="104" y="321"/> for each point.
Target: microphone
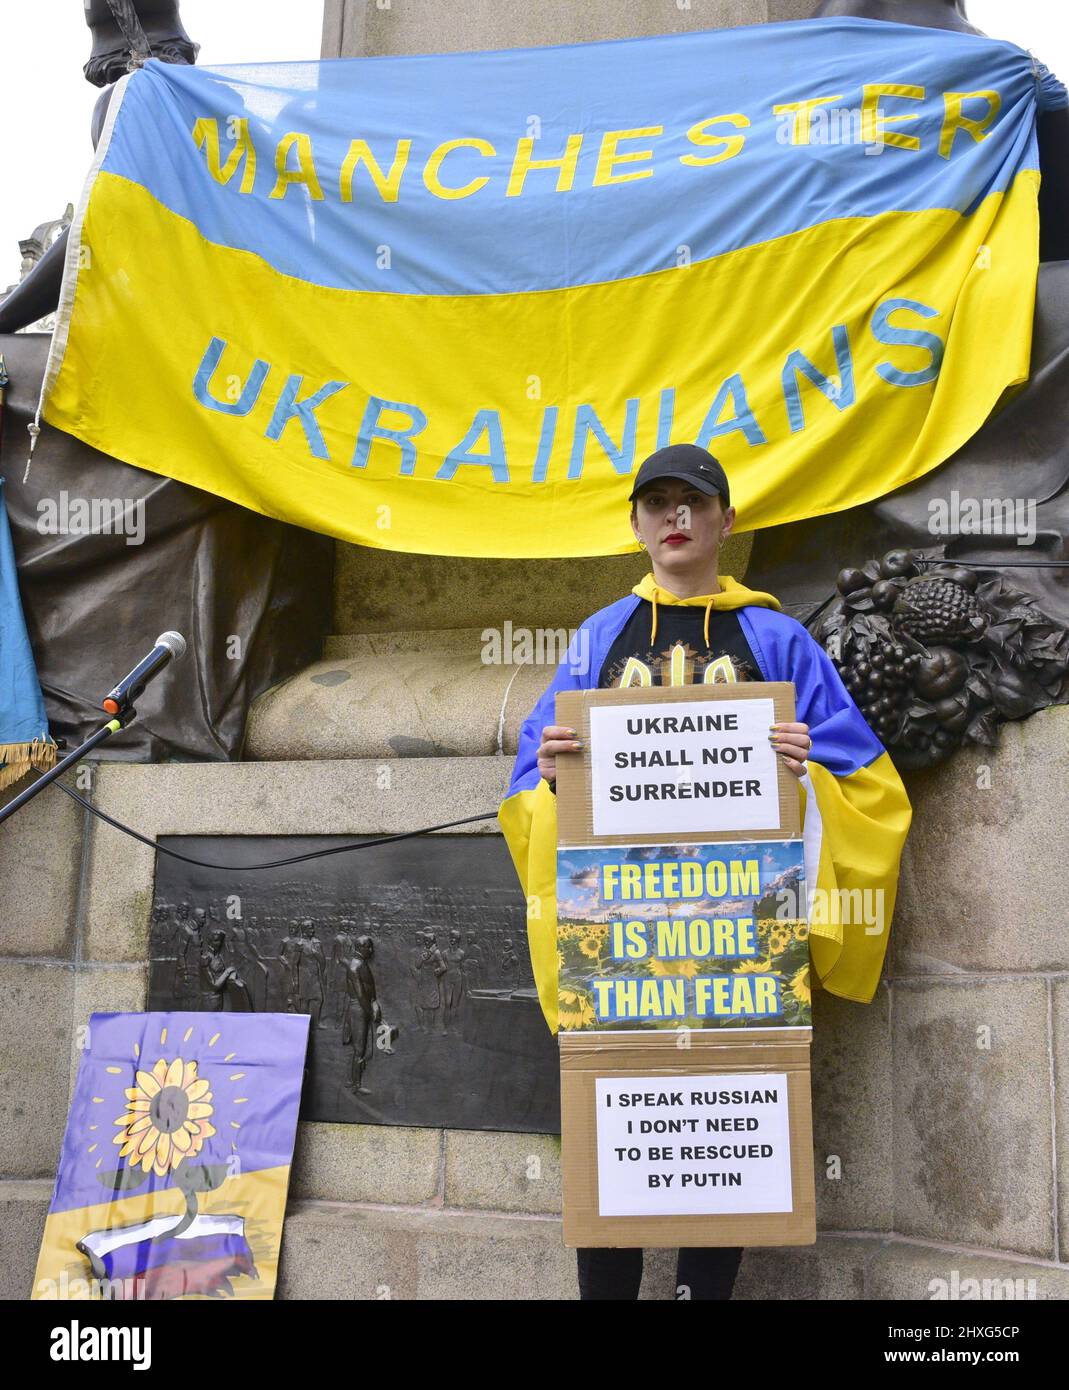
<point x="168" y="645"/>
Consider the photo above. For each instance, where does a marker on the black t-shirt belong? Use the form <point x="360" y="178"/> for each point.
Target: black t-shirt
<point x="679" y="626"/>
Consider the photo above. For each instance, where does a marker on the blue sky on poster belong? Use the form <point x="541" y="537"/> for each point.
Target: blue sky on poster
<point x="43" y="47"/>
<point x="578" y="875"/>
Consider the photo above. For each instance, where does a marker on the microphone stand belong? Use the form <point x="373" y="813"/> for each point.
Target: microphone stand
<point x="124" y="716"/>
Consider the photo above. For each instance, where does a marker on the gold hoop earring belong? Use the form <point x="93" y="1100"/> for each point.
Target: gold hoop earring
<point x="642" y="545"/>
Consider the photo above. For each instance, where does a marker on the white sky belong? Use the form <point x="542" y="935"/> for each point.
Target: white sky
<point x="48" y="102"/>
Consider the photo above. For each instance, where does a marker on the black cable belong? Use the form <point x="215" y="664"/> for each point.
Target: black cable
<point x="273" y="863"/>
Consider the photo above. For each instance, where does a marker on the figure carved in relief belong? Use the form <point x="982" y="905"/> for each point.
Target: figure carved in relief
<point x="363" y="1013"/>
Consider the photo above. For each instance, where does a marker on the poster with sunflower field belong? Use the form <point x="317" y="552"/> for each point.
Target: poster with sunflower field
<point x="176" y="1158"/>
<point x="682" y="936"/>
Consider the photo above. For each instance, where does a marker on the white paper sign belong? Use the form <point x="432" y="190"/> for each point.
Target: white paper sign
<point x="683" y="767"/>
<point x="697" y="1145"/>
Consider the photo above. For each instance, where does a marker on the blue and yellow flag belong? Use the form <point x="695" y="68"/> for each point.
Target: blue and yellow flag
<point x="175" y="1163"/>
<point x="25" y="742"/>
<point x="446" y="303"/>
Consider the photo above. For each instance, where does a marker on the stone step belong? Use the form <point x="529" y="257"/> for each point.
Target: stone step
<point x="384" y="591"/>
<point x="350" y="1250"/>
<point x="410" y="694"/>
<point x="458" y="640"/>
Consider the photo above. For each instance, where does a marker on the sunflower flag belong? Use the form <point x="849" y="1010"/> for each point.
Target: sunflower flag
<point x="447" y="303"/>
<point x="175" y="1163"/>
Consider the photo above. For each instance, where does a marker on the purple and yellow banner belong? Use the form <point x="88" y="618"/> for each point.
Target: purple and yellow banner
<point x="175" y="1163"/>
<point x="446" y="304"/>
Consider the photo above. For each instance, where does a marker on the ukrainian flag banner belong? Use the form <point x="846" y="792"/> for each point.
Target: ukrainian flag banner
<point x="443" y="304"/>
<point x="25" y="741"/>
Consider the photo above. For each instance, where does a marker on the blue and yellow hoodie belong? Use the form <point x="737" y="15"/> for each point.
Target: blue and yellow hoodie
<point x="855" y="810"/>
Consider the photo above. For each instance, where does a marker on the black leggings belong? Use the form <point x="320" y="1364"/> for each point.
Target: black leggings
<point x="704" y="1273"/>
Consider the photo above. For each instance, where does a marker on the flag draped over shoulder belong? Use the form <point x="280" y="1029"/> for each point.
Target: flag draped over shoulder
<point x="25" y="742"/>
<point x="855" y="810"/>
<point x="446" y="303"/>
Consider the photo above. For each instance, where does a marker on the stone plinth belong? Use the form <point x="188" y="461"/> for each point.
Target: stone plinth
<point x="381" y="591"/>
<point x="354" y="28"/>
<point x="940" y="1125"/>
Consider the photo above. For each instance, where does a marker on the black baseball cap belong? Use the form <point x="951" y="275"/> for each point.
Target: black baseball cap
<point x="690" y="463"/>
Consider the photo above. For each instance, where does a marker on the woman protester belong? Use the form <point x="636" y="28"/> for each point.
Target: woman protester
<point x="687" y="623"/>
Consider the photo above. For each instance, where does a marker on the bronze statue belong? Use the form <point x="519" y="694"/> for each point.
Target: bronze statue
<point x="254" y="968"/>
<point x="188" y="943"/>
<point x="494" y="1067"/>
<point x="125" y="33"/>
<point x="510" y="965"/>
<point x="453" y="979"/>
<point x="932" y="14"/>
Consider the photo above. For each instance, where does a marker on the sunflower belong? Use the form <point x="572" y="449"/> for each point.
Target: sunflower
<point x="574" y="1010"/>
<point x="799" y="985"/>
<point x="687" y="967"/>
<point x="801" y="931"/>
<point x="591" y="946"/>
<point x="753" y="967"/>
<point x="779" y="939"/>
<point x="560" y="960"/>
<point x="166" y="1118"/>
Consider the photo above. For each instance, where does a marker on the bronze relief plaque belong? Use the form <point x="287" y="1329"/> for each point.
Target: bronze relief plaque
<point x="410" y="959"/>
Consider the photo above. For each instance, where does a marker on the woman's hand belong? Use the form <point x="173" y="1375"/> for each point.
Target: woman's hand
<point x="556" y="738"/>
<point x="792" y="743"/>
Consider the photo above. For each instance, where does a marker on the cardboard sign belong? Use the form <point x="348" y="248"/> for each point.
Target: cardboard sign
<point x="662" y="761"/>
<point x="684" y="996"/>
<point x="714" y="770"/>
<point x="670" y="936"/>
<point x="612" y="1202"/>
<point x="714" y="1143"/>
